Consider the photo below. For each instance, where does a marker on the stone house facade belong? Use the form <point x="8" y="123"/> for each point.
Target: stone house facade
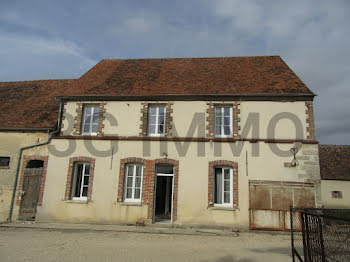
<point x="185" y="141"/>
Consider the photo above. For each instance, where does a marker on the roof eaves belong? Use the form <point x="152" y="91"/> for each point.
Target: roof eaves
<point x="31" y="129"/>
<point x="246" y="97"/>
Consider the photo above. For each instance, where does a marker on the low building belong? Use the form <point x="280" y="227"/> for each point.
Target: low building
<point x="335" y="175"/>
<point x="187" y="141"/>
<point x="24" y="121"/>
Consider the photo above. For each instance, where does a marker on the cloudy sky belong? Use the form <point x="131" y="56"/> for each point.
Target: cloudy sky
<point x="43" y="39"/>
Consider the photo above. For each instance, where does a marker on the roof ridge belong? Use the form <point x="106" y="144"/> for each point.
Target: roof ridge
<point x="333" y="145"/>
<point x="193" y="57"/>
<point x="39" y="80"/>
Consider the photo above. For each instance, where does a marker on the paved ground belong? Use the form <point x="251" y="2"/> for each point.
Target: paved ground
<point x="81" y="243"/>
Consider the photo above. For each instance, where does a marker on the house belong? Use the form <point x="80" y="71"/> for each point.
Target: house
<point x="224" y="141"/>
<point x="335" y="175"/>
<point x="24" y="121"/>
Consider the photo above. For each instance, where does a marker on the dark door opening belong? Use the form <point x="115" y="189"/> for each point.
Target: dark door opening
<point x="163" y="205"/>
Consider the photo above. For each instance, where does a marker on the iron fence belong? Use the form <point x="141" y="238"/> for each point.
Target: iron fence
<point x="320" y="234"/>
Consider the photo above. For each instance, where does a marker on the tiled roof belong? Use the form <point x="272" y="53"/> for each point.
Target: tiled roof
<point x="32" y="103"/>
<point x="334" y="162"/>
<point x="216" y="75"/>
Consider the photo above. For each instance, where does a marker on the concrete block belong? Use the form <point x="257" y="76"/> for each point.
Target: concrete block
<point x="303" y="157"/>
<point x="310" y="163"/>
<point x="310" y="152"/>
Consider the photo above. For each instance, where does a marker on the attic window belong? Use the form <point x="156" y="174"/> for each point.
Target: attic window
<point x="4" y="162"/>
<point x="337" y="194"/>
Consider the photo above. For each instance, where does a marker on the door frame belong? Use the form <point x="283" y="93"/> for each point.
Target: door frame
<point x="26" y="160"/>
<point x="175" y="198"/>
<point x="155" y="195"/>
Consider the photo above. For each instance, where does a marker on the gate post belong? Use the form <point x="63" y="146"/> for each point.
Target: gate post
<point x="291" y="231"/>
<point x="320" y="220"/>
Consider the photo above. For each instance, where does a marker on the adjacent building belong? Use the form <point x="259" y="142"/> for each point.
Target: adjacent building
<point x="335" y="175"/>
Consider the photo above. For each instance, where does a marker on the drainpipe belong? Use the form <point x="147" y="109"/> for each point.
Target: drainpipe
<point x="51" y="135"/>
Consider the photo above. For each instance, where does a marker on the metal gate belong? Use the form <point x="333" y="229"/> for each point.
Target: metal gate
<point x="30" y="193"/>
<point x="319" y="234"/>
<point x="312" y="237"/>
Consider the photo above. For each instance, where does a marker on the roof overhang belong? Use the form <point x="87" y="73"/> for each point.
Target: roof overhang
<point x="192" y="97"/>
<point x="26" y="129"/>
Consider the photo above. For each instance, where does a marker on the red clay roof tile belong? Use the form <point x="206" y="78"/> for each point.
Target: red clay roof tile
<point x="216" y="75"/>
<point x="334" y="162"/>
<point x="32" y="103"/>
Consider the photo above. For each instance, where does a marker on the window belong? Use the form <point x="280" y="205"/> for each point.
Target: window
<point x="156" y="120"/>
<point x="337" y="194"/>
<point x="90" y="119"/>
<point x="80" y="183"/>
<point x="223" y="186"/>
<point x="133" y="183"/>
<point x="4" y="161"/>
<point x="223" y="121"/>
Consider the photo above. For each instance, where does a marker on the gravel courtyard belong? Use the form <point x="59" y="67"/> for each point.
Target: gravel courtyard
<point x="28" y="244"/>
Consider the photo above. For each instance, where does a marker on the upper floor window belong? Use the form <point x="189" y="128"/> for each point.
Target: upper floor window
<point x="223" y="186"/>
<point x="4" y="161"/>
<point x="90" y="119"/>
<point x="223" y="121"/>
<point x="80" y="182"/>
<point x="133" y="183"/>
<point x="156" y="120"/>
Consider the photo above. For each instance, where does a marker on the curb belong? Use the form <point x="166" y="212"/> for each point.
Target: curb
<point x="196" y="233"/>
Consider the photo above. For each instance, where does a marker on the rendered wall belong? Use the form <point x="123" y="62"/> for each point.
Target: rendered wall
<point x="128" y="114"/>
<point x="11" y="142"/>
<point x="192" y="188"/>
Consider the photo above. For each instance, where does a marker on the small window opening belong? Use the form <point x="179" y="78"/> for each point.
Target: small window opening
<point x="337" y="194"/>
<point x="35" y="164"/>
<point x="4" y="161"/>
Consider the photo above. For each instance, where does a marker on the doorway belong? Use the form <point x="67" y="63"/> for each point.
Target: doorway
<point x="164" y="194"/>
<point x="30" y="189"/>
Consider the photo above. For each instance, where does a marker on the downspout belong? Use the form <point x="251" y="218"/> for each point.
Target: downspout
<point x="51" y="135"/>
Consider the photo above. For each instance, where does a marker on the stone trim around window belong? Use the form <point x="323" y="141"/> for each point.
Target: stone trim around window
<point x="25" y="161"/>
<point x="210" y="122"/>
<point x="78" y="120"/>
<point x="211" y="180"/>
<point x="310" y="129"/>
<point x="72" y="161"/>
<point x="236" y="120"/>
<point x="121" y="183"/>
<point x="63" y="117"/>
<point x="168" y="118"/>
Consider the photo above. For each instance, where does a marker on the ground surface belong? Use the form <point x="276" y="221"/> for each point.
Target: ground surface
<point x="34" y="244"/>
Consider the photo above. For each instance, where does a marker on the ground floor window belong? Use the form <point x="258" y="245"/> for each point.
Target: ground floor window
<point x="80" y="183"/>
<point x="223" y="186"/>
<point x="4" y="161"/>
<point x="133" y="183"/>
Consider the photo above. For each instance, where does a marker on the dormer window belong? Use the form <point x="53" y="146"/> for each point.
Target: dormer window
<point x="156" y="120"/>
<point x="90" y="119"/>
